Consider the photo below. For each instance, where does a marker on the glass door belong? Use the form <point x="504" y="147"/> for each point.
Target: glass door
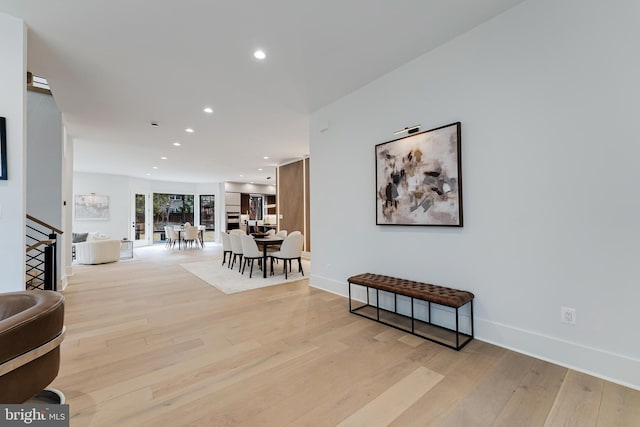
<point x="208" y="215"/>
<point x="139" y="232"/>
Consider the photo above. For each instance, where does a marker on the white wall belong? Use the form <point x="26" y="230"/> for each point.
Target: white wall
<point x="13" y="47"/>
<point x="44" y="166"/>
<point x="44" y="159"/>
<point x="67" y="207"/>
<point x="114" y="186"/>
<point x="547" y="94"/>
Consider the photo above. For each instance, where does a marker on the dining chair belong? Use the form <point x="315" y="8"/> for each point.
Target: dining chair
<point x="271" y="234"/>
<point x="236" y="250"/>
<point x="291" y="249"/>
<point x="201" y="231"/>
<point x="293" y="233"/>
<point x="250" y="252"/>
<point x="167" y="236"/>
<point x="179" y="233"/>
<point x="174" y="237"/>
<point x="226" y="246"/>
<point x="282" y="234"/>
<point x="190" y="235"/>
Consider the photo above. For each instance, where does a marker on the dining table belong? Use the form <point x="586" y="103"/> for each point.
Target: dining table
<point x="266" y="242"/>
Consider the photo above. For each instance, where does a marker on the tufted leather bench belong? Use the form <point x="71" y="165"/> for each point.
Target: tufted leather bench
<point x="441" y="295"/>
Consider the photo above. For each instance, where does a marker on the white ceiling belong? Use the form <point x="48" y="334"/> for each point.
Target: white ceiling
<point x="115" y="66"/>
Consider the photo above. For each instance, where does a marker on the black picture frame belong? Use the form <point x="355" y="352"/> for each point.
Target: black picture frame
<point x="419" y="179"/>
<point x="3" y="149"/>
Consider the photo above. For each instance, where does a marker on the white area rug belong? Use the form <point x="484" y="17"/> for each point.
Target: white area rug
<point x="231" y="281"/>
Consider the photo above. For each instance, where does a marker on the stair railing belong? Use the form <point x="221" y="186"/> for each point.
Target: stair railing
<point x="41" y="264"/>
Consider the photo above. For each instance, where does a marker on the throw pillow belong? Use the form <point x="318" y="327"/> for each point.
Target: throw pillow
<point x="79" y="237"/>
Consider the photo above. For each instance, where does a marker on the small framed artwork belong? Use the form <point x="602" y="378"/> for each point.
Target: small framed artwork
<point x="3" y="148"/>
<point x="91" y="207"/>
<point x="419" y="179"/>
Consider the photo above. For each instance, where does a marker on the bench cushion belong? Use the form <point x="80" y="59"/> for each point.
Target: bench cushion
<point x="437" y="294"/>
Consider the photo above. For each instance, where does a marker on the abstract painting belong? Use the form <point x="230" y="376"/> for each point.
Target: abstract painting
<point x="92" y="207"/>
<point x="418" y="179"/>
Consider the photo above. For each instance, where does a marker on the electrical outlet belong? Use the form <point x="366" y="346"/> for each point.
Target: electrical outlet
<point x="568" y="315"/>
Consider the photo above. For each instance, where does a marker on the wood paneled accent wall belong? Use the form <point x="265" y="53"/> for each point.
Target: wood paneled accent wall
<point x="293" y="198"/>
<point x="244" y="203"/>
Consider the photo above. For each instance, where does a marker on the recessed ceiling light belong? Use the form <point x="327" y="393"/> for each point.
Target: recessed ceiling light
<point x="177" y="144"/>
<point x="241" y="176"/>
<point x="266" y="157"/>
<point x="259" y="54"/>
<point x="189" y="130"/>
<point x="163" y="158"/>
<point x="155" y="167"/>
<point x="147" y="174"/>
<point x="260" y="169"/>
<point x="208" y="110"/>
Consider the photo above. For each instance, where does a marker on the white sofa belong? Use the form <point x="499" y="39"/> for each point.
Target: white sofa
<point x="97" y="249"/>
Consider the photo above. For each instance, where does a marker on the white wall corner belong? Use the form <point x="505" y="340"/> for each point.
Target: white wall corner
<point x="62" y="283"/>
<point x="329" y="285"/>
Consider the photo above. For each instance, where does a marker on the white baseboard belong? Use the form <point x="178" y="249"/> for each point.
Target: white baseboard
<point x="617" y="368"/>
<point x="64" y="280"/>
<point x="329" y="285"/>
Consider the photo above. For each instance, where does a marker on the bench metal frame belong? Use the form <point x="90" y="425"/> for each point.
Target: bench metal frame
<point x="459" y="344"/>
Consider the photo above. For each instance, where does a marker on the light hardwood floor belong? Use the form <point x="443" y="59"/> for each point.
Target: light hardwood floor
<point x="149" y="344"/>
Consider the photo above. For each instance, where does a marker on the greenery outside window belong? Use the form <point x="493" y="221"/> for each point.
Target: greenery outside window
<point x="171" y="210"/>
